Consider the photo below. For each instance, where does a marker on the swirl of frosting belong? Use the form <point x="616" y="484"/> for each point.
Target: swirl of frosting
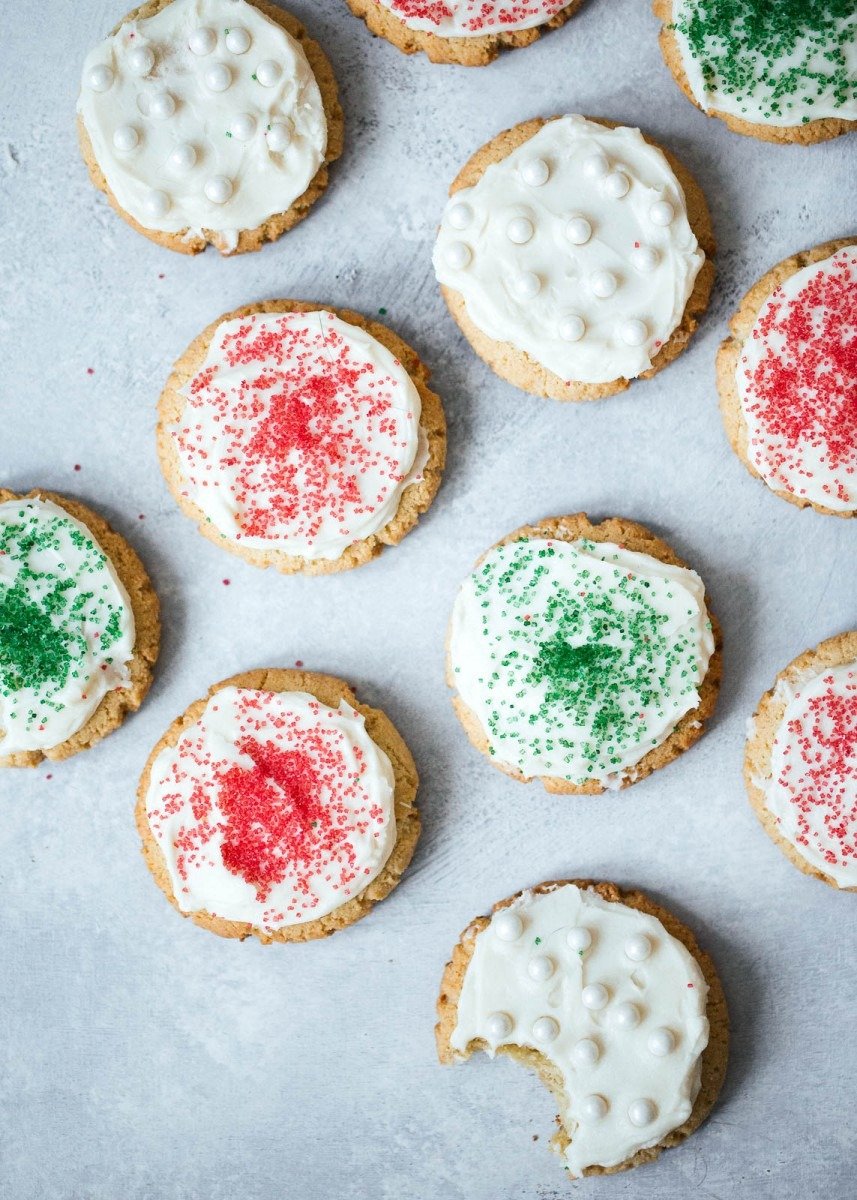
<point x="473" y="18"/>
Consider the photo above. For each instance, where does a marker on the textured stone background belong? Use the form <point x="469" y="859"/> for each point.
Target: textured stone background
<point x="144" y="1058"/>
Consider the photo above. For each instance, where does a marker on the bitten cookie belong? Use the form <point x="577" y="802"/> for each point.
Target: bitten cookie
<point x="209" y="121"/>
<point x="469" y="33"/>
<point x="79" y="628"/>
<point x="775" y="70"/>
<point x="301" y="437"/>
<point x="575" y="256"/>
<point x="800" y="762"/>
<point x="279" y="806"/>
<point x="583" y="655"/>
<point x="610" y="1000"/>
<point x="787" y="378"/>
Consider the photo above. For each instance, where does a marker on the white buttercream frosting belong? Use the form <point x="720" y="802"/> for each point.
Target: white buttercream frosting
<point x="473" y="18"/>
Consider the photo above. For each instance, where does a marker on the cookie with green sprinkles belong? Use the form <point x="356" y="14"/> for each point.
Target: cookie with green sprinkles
<point x="79" y="628"/>
<point x="583" y="654"/>
<point x="778" y="70"/>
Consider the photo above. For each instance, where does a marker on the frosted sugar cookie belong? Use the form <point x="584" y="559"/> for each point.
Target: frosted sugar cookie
<point x="779" y="70"/>
<point x="575" y="256"/>
<point x="800" y="763"/>
<point x="582" y="655"/>
<point x="470" y="33"/>
<point x="610" y="1000"/>
<point x="209" y="121"/>
<point x="787" y="378"/>
<point x="301" y="437"/>
<point x="279" y="806"/>
<point x="79" y="628"/>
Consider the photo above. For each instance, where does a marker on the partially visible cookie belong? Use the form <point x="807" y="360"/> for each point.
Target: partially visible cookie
<point x="301" y="437"/>
<point x="775" y="71"/>
<point x="79" y="628"/>
<point x="787" y="378"/>
<point x="609" y="998"/>
<point x="575" y="256"/>
<point x="583" y="654"/>
<point x="279" y="807"/>
<point x="800" y="762"/>
<point x="209" y="121"/>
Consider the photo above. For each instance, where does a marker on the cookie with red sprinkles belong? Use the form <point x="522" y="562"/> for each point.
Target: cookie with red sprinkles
<point x="301" y="437"/>
<point x="467" y="33"/>
<point x="279" y="806"/>
<point x="787" y="377"/>
<point x="800" y="762"/>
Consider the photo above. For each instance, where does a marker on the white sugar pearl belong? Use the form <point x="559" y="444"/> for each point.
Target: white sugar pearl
<point x="642" y="1112"/>
<point x="595" y="166"/>
<point x="100" y="78"/>
<point x="545" y="1029"/>
<point x="541" y="967"/>
<point x="578" y="938"/>
<point x="141" y="60"/>
<point x="458" y="255"/>
<point x="626" y="1016"/>
<point x="617" y="184"/>
<point x="243" y="126"/>
<point x="661" y="212"/>
<point x="634" y="333"/>
<point x="535" y="172"/>
<point x="498" y="1026"/>
<point x="268" y="72"/>
<point x="508" y="926"/>
<point x="602" y="284"/>
<point x="637" y="948"/>
<point x="161" y="106"/>
<point x="157" y="204"/>
<point x="519" y="230"/>
<point x="578" y="231"/>
<point x="593" y="1108"/>
<point x="661" y="1042"/>
<point x="202" y="41"/>
<point x="594" y="996"/>
<point x="125" y="138"/>
<point x="279" y="136"/>
<point x="460" y="215"/>
<point x="217" y="77"/>
<point x="527" y="285"/>
<point x="182" y="156"/>
<point x="571" y="329"/>
<point x="645" y="259"/>
<point x="218" y="189"/>
<point x="586" y="1052"/>
<point x="238" y="40"/>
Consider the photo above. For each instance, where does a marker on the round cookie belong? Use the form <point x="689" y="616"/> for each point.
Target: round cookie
<point x="583" y="655"/>
<point x="609" y="998"/>
<point x="279" y="806"/>
<point x="782" y="72"/>
<point x="787" y="378"/>
<point x="575" y="255"/>
<point x="301" y="437"/>
<point x="800" y="762"/>
<point x="79" y="628"/>
<point x="468" y="33"/>
<point x="258" y="160"/>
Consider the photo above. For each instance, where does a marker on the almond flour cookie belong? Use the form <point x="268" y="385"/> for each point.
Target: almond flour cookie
<point x="778" y="70"/>
<point x="279" y="807"/>
<point x="800" y="762"/>
<point x="301" y="437"/>
<point x="610" y="1000"/>
<point x="79" y="628"/>
<point x="209" y="121"/>
<point x="575" y="256"/>
<point x="583" y="655"/>
<point x="787" y="378"/>
<point x="470" y="33"/>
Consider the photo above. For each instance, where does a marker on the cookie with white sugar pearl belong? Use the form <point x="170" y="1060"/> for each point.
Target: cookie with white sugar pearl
<point x="278" y="807"/>
<point x="301" y="437"/>
<point x="787" y="379"/>
<point x="583" y="654"/>
<point x="575" y="256"/>
<point x="800" y="762"/>
<point x="467" y="33"/>
<point x="627" y="1025"/>
<point x="209" y="122"/>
